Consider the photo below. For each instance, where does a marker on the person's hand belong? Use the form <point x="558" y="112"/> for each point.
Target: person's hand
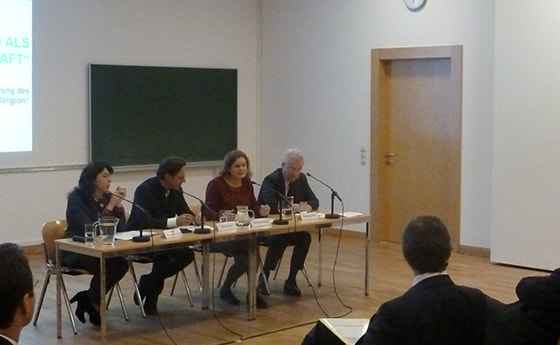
<point x="185" y="219"/>
<point x="198" y="219"/>
<point x="302" y="207"/>
<point x="116" y="201"/>
<point x="296" y="208"/>
<point x="264" y="210"/>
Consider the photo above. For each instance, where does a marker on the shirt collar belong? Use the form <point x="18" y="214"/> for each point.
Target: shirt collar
<point x="8" y="339"/>
<point x="417" y="279"/>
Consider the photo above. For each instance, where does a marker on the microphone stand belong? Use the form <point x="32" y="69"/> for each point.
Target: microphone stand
<point x="141" y="237"/>
<point x="278" y="221"/>
<point x="202" y="229"/>
<point x="334" y="194"/>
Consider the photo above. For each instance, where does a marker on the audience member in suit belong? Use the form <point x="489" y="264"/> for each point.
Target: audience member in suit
<point x="232" y="188"/>
<point x="434" y="311"/>
<point x="86" y="203"/>
<point x="163" y="206"/>
<point x="289" y="181"/>
<point x="17" y="300"/>
<point x="534" y="318"/>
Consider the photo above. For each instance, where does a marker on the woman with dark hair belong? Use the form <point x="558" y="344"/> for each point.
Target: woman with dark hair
<point x="86" y="203"/>
<point x="232" y="188"/>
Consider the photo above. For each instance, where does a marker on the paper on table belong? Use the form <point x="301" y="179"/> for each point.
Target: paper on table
<point x="352" y="214"/>
<point x="193" y="227"/>
<point x="128" y="235"/>
<point x="347" y="330"/>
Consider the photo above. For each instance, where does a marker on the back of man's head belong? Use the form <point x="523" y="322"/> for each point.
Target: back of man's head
<point x="16" y="281"/>
<point x="426" y="244"/>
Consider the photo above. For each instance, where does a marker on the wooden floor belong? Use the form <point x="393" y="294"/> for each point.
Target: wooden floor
<point x="287" y="319"/>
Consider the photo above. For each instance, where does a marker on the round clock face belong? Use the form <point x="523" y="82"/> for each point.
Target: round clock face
<point x="414" y="4"/>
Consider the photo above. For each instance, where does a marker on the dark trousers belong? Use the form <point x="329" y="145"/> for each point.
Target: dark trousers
<point x="239" y="250"/>
<point x="301" y="240"/>
<point x="166" y="263"/>
<point x="115" y="269"/>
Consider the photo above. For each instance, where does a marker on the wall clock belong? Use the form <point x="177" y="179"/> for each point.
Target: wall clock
<point x="414" y="5"/>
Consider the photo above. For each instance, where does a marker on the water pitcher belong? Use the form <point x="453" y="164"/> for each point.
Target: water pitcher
<point x="244" y="215"/>
<point x="107" y="228"/>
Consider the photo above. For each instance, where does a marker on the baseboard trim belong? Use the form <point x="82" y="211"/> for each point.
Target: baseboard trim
<point x="474" y="251"/>
<point x="32" y="249"/>
<point x="347" y="232"/>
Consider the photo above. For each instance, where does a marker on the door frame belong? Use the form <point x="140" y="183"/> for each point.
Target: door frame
<point x="379" y="88"/>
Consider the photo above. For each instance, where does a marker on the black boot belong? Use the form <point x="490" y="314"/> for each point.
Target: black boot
<point x="85" y="306"/>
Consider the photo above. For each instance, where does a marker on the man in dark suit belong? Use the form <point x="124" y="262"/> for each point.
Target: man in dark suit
<point x="534" y="318"/>
<point x="290" y="182"/>
<point x="434" y="311"/>
<point x="17" y="300"/>
<point x="163" y="206"/>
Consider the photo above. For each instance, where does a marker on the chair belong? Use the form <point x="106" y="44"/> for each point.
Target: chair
<point x="140" y="259"/>
<point x="303" y="271"/>
<point x="260" y="271"/>
<point x="186" y="281"/>
<point x="50" y="232"/>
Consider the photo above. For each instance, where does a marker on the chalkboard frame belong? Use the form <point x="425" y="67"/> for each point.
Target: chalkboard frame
<point x="141" y="114"/>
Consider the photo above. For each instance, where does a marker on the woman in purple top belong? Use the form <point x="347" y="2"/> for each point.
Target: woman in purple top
<point x="232" y="188"/>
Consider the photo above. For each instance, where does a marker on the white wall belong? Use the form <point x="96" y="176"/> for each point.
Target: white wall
<point x="316" y="89"/>
<point x="70" y="34"/>
<point x="526" y="188"/>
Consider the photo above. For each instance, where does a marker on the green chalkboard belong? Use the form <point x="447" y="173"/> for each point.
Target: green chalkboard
<point x="142" y="114"/>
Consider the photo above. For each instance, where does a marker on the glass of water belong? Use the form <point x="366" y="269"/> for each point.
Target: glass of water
<point x="224" y="215"/>
<point x="287" y="207"/>
<point x="89" y="234"/>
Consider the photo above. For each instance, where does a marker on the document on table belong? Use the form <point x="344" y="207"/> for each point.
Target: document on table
<point x="128" y="235"/>
<point x="351" y="214"/>
<point x="348" y="331"/>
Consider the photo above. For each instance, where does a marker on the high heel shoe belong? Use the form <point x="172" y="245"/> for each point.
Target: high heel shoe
<point x="83" y="304"/>
<point x="94" y="316"/>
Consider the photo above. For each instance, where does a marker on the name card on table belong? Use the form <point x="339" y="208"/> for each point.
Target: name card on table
<point x="226" y="226"/>
<point x="311" y="215"/>
<point x="261" y="222"/>
<point x="172" y="233"/>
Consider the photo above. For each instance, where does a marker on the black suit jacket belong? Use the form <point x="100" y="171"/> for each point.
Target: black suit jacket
<point x="433" y="312"/>
<point x="274" y="184"/>
<point x="4" y="341"/>
<point x="534" y="319"/>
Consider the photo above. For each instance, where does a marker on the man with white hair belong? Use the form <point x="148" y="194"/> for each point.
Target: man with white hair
<point x="290" y="182"/>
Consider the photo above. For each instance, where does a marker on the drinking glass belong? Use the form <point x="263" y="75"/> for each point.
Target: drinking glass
<point x="224" y="215"/>
<point x="89" y="234"/>
<point x="287" y="207"/>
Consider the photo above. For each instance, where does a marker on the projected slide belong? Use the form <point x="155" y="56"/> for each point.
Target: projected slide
<point x="15" y="76"/>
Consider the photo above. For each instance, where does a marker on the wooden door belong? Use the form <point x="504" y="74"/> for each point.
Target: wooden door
<point x="415" y="138"/>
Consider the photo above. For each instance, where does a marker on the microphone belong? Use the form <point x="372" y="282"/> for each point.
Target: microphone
<point x="278" y="221"/>
<point x="202" y="229"/>
<point x="334" y="194"/>
<point x="141" y="237"/>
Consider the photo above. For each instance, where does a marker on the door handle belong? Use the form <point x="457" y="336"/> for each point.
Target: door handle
<point x="388" y="157"/>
